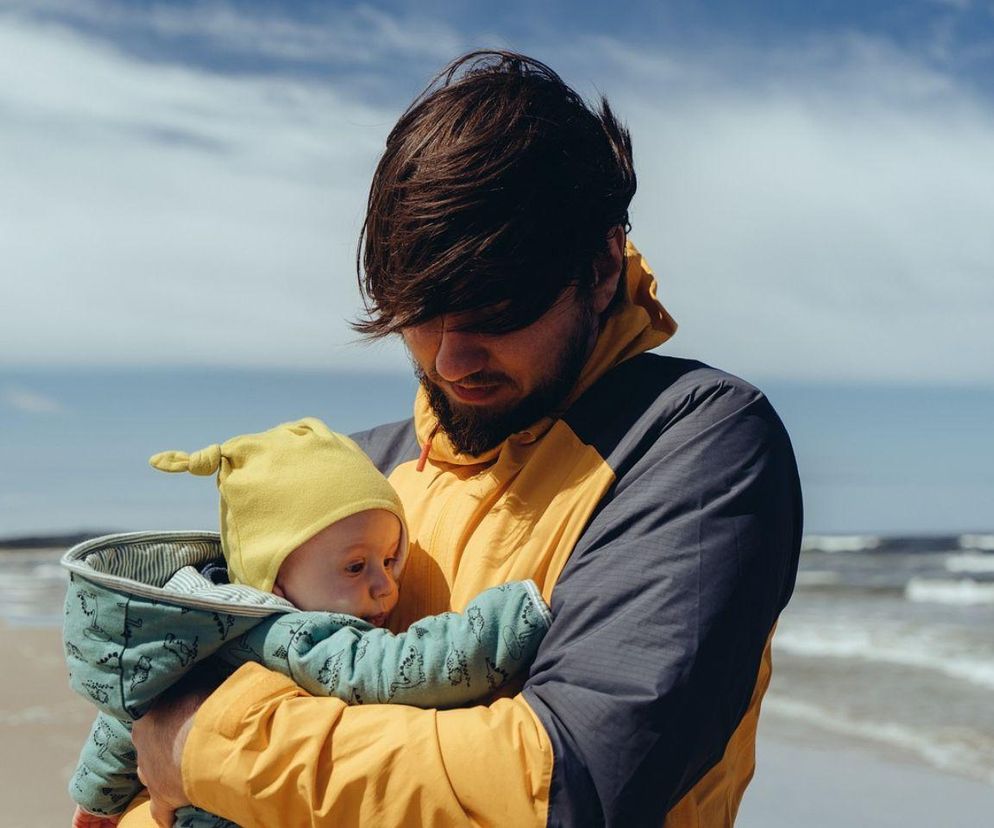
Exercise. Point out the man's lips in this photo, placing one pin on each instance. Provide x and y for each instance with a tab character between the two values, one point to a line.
474	393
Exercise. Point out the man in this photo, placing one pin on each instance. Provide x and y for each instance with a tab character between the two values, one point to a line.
654	500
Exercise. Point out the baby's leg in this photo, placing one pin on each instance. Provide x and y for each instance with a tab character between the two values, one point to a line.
106	778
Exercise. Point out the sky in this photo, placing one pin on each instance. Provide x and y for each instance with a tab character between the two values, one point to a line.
183	183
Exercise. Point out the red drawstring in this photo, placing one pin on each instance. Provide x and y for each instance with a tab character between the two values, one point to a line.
426	449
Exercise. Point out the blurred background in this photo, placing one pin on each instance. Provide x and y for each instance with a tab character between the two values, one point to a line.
181	190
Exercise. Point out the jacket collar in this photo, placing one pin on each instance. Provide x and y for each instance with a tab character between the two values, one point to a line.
639	323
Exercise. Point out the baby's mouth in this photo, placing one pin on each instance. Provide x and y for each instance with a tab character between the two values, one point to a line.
377	620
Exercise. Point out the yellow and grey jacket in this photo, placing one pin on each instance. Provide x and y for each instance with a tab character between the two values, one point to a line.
660	515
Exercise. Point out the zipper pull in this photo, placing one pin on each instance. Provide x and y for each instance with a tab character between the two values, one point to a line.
426	449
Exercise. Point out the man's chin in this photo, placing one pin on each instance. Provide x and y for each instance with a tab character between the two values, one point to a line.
472	429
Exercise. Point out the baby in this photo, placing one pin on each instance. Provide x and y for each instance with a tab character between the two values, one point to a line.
314	541
307	516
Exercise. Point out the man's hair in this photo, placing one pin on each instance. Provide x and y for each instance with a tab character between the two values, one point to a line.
498	188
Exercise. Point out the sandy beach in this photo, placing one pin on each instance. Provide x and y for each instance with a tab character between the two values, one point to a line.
819	781
42	725
803	779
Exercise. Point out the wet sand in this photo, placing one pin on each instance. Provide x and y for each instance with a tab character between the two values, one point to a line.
42	725
821	782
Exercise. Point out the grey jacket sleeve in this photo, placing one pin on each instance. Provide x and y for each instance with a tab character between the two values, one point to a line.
444	660
663	611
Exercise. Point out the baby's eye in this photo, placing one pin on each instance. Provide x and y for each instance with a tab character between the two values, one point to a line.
390	563
355	567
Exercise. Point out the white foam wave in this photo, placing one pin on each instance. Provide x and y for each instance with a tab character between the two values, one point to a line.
817	578
924	649
50	571
979	542
31	580
970	563
937	751
961	592
839	543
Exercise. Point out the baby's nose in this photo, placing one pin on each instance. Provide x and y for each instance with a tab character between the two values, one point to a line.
383	586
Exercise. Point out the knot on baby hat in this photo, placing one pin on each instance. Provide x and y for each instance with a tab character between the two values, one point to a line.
203	462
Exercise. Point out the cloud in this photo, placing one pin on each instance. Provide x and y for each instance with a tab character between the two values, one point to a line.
821	212
159	213
323	35
29	402
815	209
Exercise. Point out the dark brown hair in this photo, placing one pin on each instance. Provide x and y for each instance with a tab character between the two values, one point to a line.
498	188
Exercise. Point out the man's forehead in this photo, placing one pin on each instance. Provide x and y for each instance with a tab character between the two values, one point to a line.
462	319
503	316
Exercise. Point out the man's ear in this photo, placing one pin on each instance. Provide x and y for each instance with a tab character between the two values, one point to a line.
607	270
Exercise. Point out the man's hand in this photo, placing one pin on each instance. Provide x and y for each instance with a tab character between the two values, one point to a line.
160	736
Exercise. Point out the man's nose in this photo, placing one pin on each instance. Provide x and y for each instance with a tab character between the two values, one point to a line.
459	354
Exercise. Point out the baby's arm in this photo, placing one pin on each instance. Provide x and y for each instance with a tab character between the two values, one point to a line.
443	660
106	778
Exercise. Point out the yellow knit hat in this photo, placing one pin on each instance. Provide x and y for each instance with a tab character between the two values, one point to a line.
281	487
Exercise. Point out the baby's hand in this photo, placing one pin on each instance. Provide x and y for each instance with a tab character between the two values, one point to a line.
84	819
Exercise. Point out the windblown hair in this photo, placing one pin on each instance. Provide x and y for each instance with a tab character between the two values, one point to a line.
498	188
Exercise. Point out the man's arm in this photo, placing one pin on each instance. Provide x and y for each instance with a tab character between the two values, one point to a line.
350	765
665	608
660	622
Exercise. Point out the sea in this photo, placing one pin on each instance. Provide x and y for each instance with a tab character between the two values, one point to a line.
888	640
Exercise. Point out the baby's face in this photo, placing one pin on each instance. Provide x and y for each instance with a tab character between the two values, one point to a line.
347	567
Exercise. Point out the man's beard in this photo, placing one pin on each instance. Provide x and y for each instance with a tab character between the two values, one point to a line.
474	430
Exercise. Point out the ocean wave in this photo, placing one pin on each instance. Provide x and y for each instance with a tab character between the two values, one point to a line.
50	571
940	751
926	649
839	543
960	592
32	594
979	542
976	562
817	578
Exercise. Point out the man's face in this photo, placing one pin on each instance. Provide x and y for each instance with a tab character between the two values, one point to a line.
484	387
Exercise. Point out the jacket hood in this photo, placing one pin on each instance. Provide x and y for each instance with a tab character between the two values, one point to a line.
638	323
